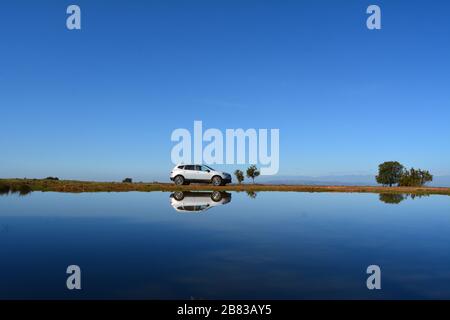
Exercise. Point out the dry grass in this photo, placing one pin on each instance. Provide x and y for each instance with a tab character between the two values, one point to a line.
87	186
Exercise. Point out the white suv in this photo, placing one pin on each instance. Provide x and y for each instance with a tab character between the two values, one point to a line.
183	201
187	173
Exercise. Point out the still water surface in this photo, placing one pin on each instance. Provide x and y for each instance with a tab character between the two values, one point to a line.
270	245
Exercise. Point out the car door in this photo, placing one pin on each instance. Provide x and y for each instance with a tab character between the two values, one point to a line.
189	172
203	173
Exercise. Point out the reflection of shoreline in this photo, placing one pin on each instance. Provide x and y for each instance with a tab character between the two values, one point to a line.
21	190
90	186
188	201
396	198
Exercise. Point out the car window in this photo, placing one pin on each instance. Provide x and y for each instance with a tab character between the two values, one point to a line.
191	208
205	168
195	208
188	167
197	168
181	167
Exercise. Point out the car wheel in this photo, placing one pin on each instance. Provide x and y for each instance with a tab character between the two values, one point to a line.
216	181
179	195
216	196
179	180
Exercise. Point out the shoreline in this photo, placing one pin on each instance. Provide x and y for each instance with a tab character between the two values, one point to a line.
72	186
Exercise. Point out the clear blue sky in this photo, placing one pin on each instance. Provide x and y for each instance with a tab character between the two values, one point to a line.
101	103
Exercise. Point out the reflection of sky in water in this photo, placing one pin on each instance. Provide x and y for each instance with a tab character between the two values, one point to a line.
278	245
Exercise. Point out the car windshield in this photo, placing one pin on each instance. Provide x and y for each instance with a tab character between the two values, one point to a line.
206	167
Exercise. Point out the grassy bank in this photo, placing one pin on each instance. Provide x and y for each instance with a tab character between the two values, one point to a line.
24	185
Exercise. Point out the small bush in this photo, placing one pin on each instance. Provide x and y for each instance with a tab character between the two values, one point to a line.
52	178
127	180
253	172
239	176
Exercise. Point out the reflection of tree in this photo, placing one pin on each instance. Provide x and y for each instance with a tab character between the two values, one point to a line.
22	190
392	198
251	194
413	196
4	189
396	198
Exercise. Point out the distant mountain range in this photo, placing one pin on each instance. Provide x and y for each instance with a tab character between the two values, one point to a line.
340	180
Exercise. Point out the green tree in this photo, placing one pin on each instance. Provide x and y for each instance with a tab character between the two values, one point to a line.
253	172
425	177
239	176
127	180
389	173
415	178
409	178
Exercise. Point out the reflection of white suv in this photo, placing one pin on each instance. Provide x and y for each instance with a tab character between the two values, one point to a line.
198	201
185	174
